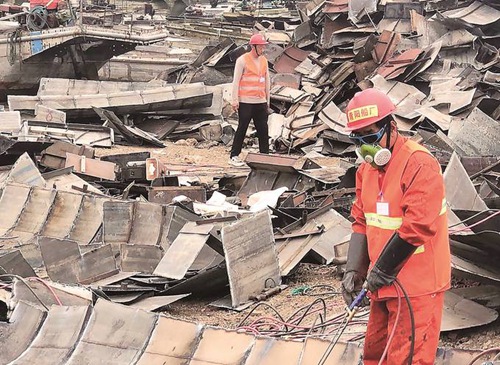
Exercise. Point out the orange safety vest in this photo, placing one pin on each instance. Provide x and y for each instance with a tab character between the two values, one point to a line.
429	269
253	79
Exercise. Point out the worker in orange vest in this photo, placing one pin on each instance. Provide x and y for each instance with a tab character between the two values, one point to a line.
400	240
251	97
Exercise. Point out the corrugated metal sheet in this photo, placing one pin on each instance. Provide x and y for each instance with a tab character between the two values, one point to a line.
476	135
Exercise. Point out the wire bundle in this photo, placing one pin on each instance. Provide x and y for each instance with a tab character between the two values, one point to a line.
312	320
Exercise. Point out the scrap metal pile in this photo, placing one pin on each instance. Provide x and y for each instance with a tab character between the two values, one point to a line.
129	229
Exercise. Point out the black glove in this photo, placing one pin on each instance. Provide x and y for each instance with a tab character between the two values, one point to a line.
356	268
390	262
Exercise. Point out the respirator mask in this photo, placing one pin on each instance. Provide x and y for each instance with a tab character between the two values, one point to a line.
368	148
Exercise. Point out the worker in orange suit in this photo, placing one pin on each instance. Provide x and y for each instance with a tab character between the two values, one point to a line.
400	236
251	97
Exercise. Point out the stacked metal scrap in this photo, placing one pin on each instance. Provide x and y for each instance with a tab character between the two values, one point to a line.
118	226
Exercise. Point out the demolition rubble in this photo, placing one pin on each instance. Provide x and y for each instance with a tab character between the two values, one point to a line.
100	233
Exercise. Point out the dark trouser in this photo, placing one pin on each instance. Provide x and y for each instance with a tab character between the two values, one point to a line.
259	114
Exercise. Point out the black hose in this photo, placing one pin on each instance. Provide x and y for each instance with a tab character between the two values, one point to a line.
412	320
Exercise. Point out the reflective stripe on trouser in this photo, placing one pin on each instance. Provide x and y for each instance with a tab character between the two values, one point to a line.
427	311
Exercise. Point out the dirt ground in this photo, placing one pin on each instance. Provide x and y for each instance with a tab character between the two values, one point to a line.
321	281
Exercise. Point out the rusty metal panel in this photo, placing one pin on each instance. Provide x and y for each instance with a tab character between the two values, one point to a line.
407	98
183	251
175	219
479	272
24	171
147	225
385	47
477	13
54	156
213	339
35	212
18	333
89	220
165	194
97	264
289	59
289	80
57	337
435	116
292	250
61	259
173	342
460	192
158	302
337	228
429	54
12	203
65	263
115	334
358	8
268	352
14	263
395	66
336	6
63	214
460	313
142	258
73	297
342	353
477	135
117	221
91	167
251	256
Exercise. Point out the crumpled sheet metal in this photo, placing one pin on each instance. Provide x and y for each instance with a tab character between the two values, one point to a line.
359	8
118	335
476	135
406	97
476	14
460	192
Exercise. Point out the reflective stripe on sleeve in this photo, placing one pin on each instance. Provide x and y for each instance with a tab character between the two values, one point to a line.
382	221
444	207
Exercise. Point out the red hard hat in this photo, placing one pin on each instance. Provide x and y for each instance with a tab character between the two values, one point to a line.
368	107
257	39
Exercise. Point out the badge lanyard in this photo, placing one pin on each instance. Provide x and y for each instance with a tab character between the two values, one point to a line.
382	205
